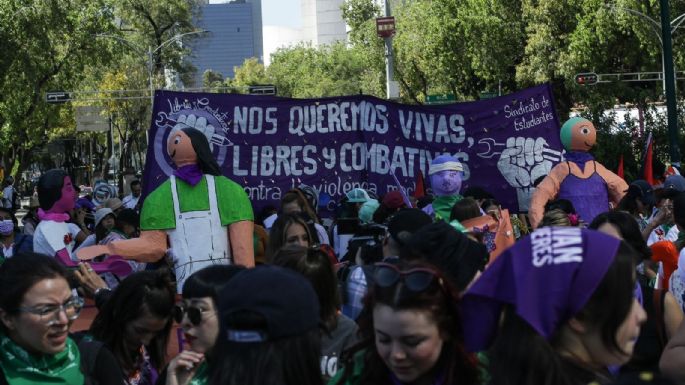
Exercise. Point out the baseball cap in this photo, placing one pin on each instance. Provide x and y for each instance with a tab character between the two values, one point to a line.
101	214
283	297
393	200
366	211
357	195
675	182
405	223
642	189
457	256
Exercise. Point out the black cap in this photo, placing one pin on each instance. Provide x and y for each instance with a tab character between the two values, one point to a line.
405	223
642	189
459	257
283	297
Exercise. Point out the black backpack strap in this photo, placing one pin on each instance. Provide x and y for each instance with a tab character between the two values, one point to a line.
89	350
17	246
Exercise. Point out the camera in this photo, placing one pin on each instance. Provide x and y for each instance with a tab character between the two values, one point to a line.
366	244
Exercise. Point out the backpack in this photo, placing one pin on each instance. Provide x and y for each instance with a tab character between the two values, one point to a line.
88	349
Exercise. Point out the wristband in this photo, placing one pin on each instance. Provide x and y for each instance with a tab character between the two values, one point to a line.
100	289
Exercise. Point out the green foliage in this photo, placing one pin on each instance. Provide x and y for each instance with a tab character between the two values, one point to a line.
251	73
212	80
46	44
306	72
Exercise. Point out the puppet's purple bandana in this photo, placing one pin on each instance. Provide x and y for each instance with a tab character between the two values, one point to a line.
579	158
191	174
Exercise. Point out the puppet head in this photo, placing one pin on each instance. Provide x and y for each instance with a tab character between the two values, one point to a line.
189	146
445	175
578	134
56	193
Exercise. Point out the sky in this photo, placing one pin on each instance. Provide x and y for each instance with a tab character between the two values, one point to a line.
280	13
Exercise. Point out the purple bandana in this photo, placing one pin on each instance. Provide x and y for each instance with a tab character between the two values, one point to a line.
579	158
191	174
548	277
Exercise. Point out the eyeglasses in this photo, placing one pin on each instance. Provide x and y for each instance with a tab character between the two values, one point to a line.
416	279
72	308
194	314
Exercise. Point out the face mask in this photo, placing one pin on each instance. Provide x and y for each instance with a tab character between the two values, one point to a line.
6	226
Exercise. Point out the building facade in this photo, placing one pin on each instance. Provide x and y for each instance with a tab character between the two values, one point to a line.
235	34
322	22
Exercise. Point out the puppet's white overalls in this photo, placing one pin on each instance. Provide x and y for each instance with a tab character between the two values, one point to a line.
198	240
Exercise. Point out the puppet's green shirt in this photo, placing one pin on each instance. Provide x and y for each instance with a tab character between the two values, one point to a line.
158	209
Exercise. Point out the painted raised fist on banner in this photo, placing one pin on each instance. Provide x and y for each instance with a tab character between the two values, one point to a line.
522	161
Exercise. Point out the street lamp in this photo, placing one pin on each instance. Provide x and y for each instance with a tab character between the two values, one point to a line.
149	52
675	24
668	71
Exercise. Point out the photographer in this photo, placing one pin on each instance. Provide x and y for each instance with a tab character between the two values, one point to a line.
372	248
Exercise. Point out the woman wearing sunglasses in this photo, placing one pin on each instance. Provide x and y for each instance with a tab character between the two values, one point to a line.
197	315
37	308
410	331
557	308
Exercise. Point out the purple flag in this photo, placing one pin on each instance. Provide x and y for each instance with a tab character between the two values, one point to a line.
269	144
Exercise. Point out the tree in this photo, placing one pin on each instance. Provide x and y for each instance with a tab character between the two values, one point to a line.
147	47
250	73
46	46
211	80
307	72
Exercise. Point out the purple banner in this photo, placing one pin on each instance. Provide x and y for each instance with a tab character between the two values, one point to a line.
270	144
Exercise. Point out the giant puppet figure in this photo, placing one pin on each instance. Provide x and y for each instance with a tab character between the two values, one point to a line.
203	216
580	179
445	174
54	235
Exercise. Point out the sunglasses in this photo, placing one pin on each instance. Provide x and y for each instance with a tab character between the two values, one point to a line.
194	314
416	279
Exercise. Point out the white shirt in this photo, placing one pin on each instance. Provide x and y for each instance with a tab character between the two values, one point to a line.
50	237
130	201
658	235
8	252
89	241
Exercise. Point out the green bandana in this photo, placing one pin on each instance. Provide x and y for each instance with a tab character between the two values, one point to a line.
22	368
442	206
200	377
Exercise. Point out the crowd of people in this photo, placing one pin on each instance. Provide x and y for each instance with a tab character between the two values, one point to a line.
446	289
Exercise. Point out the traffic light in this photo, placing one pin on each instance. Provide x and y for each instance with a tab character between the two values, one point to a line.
587	79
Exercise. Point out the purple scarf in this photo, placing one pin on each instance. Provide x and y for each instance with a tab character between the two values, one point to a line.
579	158
191	174
547	277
